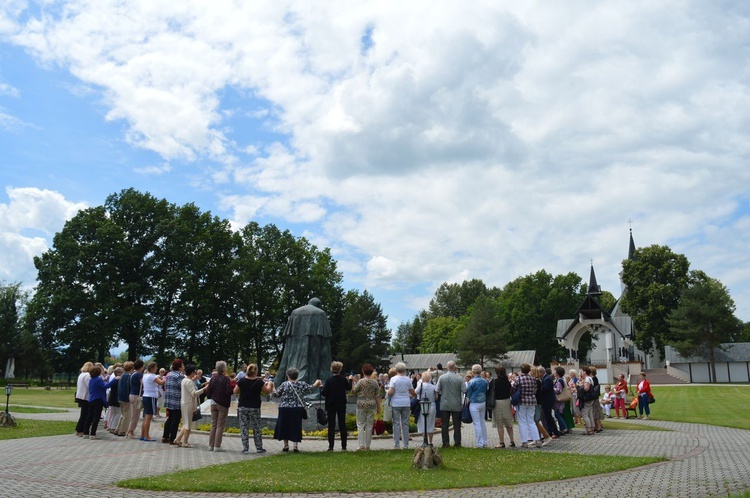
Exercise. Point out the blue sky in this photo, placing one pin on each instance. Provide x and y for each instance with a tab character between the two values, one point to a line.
423	143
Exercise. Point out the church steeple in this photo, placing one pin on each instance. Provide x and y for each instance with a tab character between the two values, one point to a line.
631	249
594	289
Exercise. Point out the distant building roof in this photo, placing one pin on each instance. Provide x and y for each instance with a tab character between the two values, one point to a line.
422	362
734	352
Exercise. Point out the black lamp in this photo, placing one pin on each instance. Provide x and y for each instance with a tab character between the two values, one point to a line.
425	409
8	392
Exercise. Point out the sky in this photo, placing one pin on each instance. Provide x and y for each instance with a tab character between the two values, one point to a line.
422	142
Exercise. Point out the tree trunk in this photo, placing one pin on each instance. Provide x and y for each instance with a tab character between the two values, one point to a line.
712	359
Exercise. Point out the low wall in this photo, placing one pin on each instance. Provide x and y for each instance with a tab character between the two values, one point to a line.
679	373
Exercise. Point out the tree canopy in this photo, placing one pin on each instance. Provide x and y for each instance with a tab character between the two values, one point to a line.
481	337
171	280
703	319
655	277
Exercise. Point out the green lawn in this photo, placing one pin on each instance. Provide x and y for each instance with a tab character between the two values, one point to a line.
37	428
40	397
389	471
724	405
628	426
29	409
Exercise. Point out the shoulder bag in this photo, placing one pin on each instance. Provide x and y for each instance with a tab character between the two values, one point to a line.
320	414
305	406
466	413
491	394
515	398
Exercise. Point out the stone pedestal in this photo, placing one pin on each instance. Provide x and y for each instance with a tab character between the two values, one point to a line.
7	420
426	457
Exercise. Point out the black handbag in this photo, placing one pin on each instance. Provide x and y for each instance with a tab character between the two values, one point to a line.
415	405
197	415
320	414
466	413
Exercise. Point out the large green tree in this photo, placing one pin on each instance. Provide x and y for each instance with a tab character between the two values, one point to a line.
530	307
364	333
174	281
454	300
278	272
482	338
77	300
409	335
440	335
703	319
655	278
10	294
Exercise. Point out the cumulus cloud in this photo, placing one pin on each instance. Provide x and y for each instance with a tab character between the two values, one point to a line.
433	141
155	169
6	89
27	223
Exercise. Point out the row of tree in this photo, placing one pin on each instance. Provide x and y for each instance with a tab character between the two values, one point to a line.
168	280
673	305
482	323
669	304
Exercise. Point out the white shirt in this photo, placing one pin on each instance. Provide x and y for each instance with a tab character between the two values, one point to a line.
82	386
401	385
150	389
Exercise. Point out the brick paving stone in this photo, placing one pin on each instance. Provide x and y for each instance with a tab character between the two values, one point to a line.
704	461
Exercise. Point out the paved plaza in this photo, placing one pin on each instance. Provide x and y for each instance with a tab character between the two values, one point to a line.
703	461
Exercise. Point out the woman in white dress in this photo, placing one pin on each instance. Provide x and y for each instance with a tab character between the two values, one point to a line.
426	390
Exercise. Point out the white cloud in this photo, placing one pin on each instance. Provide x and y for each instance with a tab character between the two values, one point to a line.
488	142
30	210
8	121
159	169
6	89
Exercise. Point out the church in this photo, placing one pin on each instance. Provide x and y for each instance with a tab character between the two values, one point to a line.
613	349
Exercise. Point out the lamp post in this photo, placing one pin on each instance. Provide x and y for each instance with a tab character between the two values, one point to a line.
6	419
8	392
425	408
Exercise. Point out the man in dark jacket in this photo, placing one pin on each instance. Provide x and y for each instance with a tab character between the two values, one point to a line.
548	402
335	390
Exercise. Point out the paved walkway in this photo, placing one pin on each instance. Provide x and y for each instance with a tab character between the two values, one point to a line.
704	461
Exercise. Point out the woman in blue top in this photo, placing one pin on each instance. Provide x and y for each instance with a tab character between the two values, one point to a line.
97	398
476	393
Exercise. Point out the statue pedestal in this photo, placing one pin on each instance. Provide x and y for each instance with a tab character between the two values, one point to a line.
7	420
426	457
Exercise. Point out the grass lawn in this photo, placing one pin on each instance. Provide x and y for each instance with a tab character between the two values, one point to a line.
628	426
37	428
40	397
389	471
724	405
29	409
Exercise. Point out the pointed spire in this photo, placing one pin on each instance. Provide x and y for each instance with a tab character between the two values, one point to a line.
631	249
594	289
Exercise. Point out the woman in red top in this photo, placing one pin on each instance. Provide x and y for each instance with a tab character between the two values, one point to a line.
621	390
644	394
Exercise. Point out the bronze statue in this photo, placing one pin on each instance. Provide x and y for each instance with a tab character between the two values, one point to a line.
308	344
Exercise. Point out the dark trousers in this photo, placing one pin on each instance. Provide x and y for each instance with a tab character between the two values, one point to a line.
549	419
171	425
84	405
445	417
333	412
93	417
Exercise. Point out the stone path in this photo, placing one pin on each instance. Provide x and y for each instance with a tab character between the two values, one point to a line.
704	461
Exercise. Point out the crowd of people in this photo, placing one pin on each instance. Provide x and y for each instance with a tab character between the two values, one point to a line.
546	403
